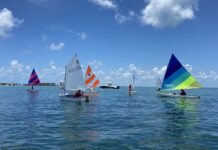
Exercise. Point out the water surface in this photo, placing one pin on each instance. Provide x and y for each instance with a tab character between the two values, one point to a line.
113	120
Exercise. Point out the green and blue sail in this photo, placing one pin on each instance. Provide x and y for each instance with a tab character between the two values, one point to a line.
177	77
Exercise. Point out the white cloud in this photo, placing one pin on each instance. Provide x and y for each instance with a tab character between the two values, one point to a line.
57	47
19	72
159	71
132	13
123	76
100	73
105	3
126	74
2	70
188	67
120	69
52	73
16	65
52	65
132	67
82	35
168	13
8	22
210	76
96	64
27	67
120	18
107	79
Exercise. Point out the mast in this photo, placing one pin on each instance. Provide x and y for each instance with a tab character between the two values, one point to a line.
133	79
65	81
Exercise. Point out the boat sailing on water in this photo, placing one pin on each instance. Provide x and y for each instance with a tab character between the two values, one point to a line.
133	82
75	85
74	81
158	84
131	88
33	80
109	85
91	81
177	77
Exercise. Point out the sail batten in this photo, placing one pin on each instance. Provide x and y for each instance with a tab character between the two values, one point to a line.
177	77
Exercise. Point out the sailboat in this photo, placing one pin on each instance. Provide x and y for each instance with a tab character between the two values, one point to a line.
133	83
74	80
158	84
91	80
33	80
177	77
75	84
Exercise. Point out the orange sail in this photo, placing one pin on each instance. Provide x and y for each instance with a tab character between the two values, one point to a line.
91	79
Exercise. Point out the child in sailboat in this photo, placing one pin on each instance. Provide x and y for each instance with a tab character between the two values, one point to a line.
78	93
183	92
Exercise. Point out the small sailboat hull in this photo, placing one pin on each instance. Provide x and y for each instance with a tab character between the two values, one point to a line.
133	92
66	97
177	96
32	91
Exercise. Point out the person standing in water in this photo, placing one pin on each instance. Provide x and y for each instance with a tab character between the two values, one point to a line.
130	89
183	93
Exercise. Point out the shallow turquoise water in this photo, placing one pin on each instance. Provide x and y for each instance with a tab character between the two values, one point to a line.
113	120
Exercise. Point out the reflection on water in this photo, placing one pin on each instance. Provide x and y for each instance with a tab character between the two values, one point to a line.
78	126
180	120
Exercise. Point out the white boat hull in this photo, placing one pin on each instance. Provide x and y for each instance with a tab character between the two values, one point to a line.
65	97
85	97
133	92
177	96
109	87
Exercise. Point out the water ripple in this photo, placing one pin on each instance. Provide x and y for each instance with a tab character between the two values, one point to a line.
113	120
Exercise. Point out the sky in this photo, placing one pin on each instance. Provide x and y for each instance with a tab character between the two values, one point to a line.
115	37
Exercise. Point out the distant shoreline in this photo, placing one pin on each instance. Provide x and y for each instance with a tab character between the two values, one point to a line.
18	84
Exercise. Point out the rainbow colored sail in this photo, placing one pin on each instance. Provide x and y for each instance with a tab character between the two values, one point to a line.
34	80
177	77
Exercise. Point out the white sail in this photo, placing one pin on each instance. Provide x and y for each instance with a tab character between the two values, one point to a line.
74	78
159	84
133	80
